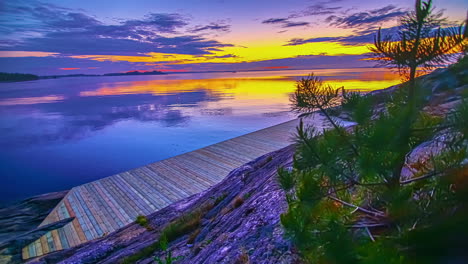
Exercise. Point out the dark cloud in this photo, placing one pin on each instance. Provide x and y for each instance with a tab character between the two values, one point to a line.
366	19
295	24
321	8
285	22
166	23
219	27
48	28
363	37
275	21
225	56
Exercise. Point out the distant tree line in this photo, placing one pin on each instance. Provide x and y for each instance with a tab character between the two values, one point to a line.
16	77
135	73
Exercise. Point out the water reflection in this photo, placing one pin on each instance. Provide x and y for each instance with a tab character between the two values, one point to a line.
74	118
59	133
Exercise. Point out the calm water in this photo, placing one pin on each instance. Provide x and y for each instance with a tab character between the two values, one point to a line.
59	133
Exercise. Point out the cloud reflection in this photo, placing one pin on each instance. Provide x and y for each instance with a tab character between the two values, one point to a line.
58	112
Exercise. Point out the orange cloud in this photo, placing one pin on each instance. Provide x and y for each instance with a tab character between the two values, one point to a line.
69	69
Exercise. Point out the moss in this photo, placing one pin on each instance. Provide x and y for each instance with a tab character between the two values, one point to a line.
247	195
220	199
143	253
142	220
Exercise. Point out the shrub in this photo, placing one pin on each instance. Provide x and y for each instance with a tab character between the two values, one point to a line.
347	203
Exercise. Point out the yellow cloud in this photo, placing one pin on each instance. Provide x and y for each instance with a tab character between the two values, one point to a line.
254	52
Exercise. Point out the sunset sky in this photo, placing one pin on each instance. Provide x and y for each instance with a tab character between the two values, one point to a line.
102	36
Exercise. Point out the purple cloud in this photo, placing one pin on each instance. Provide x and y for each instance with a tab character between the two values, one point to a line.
284	22
366	19
219	27
363	37
53	29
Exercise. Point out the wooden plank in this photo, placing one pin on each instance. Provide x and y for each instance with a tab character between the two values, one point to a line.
109	209
97	212
92	223
127	206
79	235
113	204
150	184
81	217
56	240
170	174
129	194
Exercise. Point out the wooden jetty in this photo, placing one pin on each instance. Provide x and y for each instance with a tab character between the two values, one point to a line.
103	206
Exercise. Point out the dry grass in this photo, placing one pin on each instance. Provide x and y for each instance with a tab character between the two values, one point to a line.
243	258
193	236
238	202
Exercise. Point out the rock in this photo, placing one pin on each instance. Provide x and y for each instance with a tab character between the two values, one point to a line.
14	245
227	232
440	80
27	215
19	221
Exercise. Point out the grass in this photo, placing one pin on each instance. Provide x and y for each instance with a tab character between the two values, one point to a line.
141	254
183	225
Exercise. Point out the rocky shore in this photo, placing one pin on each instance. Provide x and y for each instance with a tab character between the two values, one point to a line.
19	221
236	221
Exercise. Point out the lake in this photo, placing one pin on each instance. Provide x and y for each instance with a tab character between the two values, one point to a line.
59	133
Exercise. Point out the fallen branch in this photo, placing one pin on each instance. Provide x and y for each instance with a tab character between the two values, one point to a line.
357	207
367	225
370	234
429	175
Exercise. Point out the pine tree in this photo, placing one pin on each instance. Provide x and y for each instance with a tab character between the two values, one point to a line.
420	42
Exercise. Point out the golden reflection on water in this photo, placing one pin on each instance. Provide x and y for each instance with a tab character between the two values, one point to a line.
253	85
31	100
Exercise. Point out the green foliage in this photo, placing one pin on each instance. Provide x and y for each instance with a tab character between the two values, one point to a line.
285	179
460	69
168	259
182	226
346	201
420	42
141	254
312	94
360	106
142	220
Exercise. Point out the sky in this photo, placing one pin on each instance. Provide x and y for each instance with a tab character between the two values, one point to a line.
55	37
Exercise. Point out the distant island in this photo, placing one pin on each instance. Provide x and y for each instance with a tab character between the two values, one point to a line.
17	77
135	73
106	74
